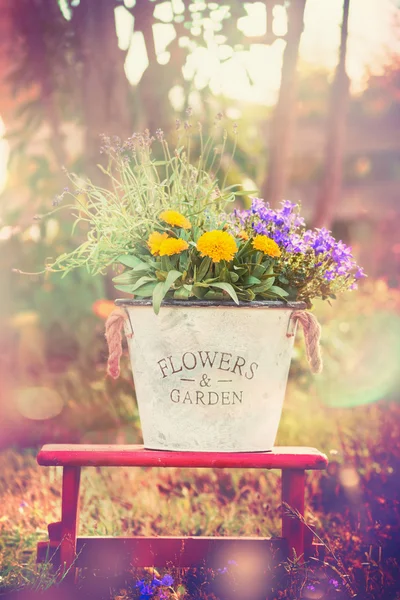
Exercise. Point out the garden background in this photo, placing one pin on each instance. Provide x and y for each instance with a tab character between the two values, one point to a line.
314	87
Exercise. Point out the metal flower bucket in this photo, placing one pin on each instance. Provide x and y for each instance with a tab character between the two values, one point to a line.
209	377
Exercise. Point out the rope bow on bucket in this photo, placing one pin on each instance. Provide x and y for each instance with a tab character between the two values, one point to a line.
311	329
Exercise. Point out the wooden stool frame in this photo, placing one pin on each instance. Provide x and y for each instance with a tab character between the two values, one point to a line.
70	552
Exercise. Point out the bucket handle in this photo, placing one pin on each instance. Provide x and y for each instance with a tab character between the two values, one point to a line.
312	335
116	320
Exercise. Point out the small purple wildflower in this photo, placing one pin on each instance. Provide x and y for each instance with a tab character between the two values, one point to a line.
359	273
334	583
222	571
329	275
147	590
260	228
310	587
167	580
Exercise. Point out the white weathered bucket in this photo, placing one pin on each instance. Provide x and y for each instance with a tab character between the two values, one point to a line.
210	378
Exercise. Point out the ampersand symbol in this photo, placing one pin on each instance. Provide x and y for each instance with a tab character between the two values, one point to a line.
205	381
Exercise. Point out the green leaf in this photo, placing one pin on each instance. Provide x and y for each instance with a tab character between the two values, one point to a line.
182	293
171	278
129	260
162	288
283	279
247	248
146	290
144	267
199	292
246	295
203	268
265	286
258	270
227	287
131	276
123	288
224	275
270	268
158	296
210	295
140	282
278	291
166	264
250	280
161	275
183	261
240	270
127	277
233	276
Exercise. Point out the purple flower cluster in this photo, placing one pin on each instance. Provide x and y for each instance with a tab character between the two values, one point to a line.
278	224
339	255
287	228
148	589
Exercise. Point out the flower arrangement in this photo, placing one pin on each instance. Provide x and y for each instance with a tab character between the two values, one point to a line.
164	222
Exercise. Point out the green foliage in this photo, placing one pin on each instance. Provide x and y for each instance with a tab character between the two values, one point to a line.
120	219
202	278
123	219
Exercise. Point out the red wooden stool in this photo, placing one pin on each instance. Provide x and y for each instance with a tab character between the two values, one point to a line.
69	551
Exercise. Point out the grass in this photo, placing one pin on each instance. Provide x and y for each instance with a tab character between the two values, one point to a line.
355	506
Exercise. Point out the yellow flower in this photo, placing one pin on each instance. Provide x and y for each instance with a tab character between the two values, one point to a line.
172	217
155	240
243	236
266	245
218	245
172	246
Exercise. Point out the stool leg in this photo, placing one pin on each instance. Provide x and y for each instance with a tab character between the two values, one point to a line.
69	521
293	487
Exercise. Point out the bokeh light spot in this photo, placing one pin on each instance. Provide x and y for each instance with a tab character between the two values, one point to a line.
38	403
349	477
361	362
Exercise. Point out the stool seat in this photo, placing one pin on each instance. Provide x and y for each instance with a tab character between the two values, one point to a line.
108	455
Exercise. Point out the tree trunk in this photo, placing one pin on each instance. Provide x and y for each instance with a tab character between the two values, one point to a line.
154	86
24	26
105	88
283	120
329	192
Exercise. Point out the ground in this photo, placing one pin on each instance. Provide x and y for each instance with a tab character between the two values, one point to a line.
353	509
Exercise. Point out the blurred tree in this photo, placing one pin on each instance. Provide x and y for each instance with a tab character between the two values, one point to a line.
283	120
382	95
336	124
104	88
